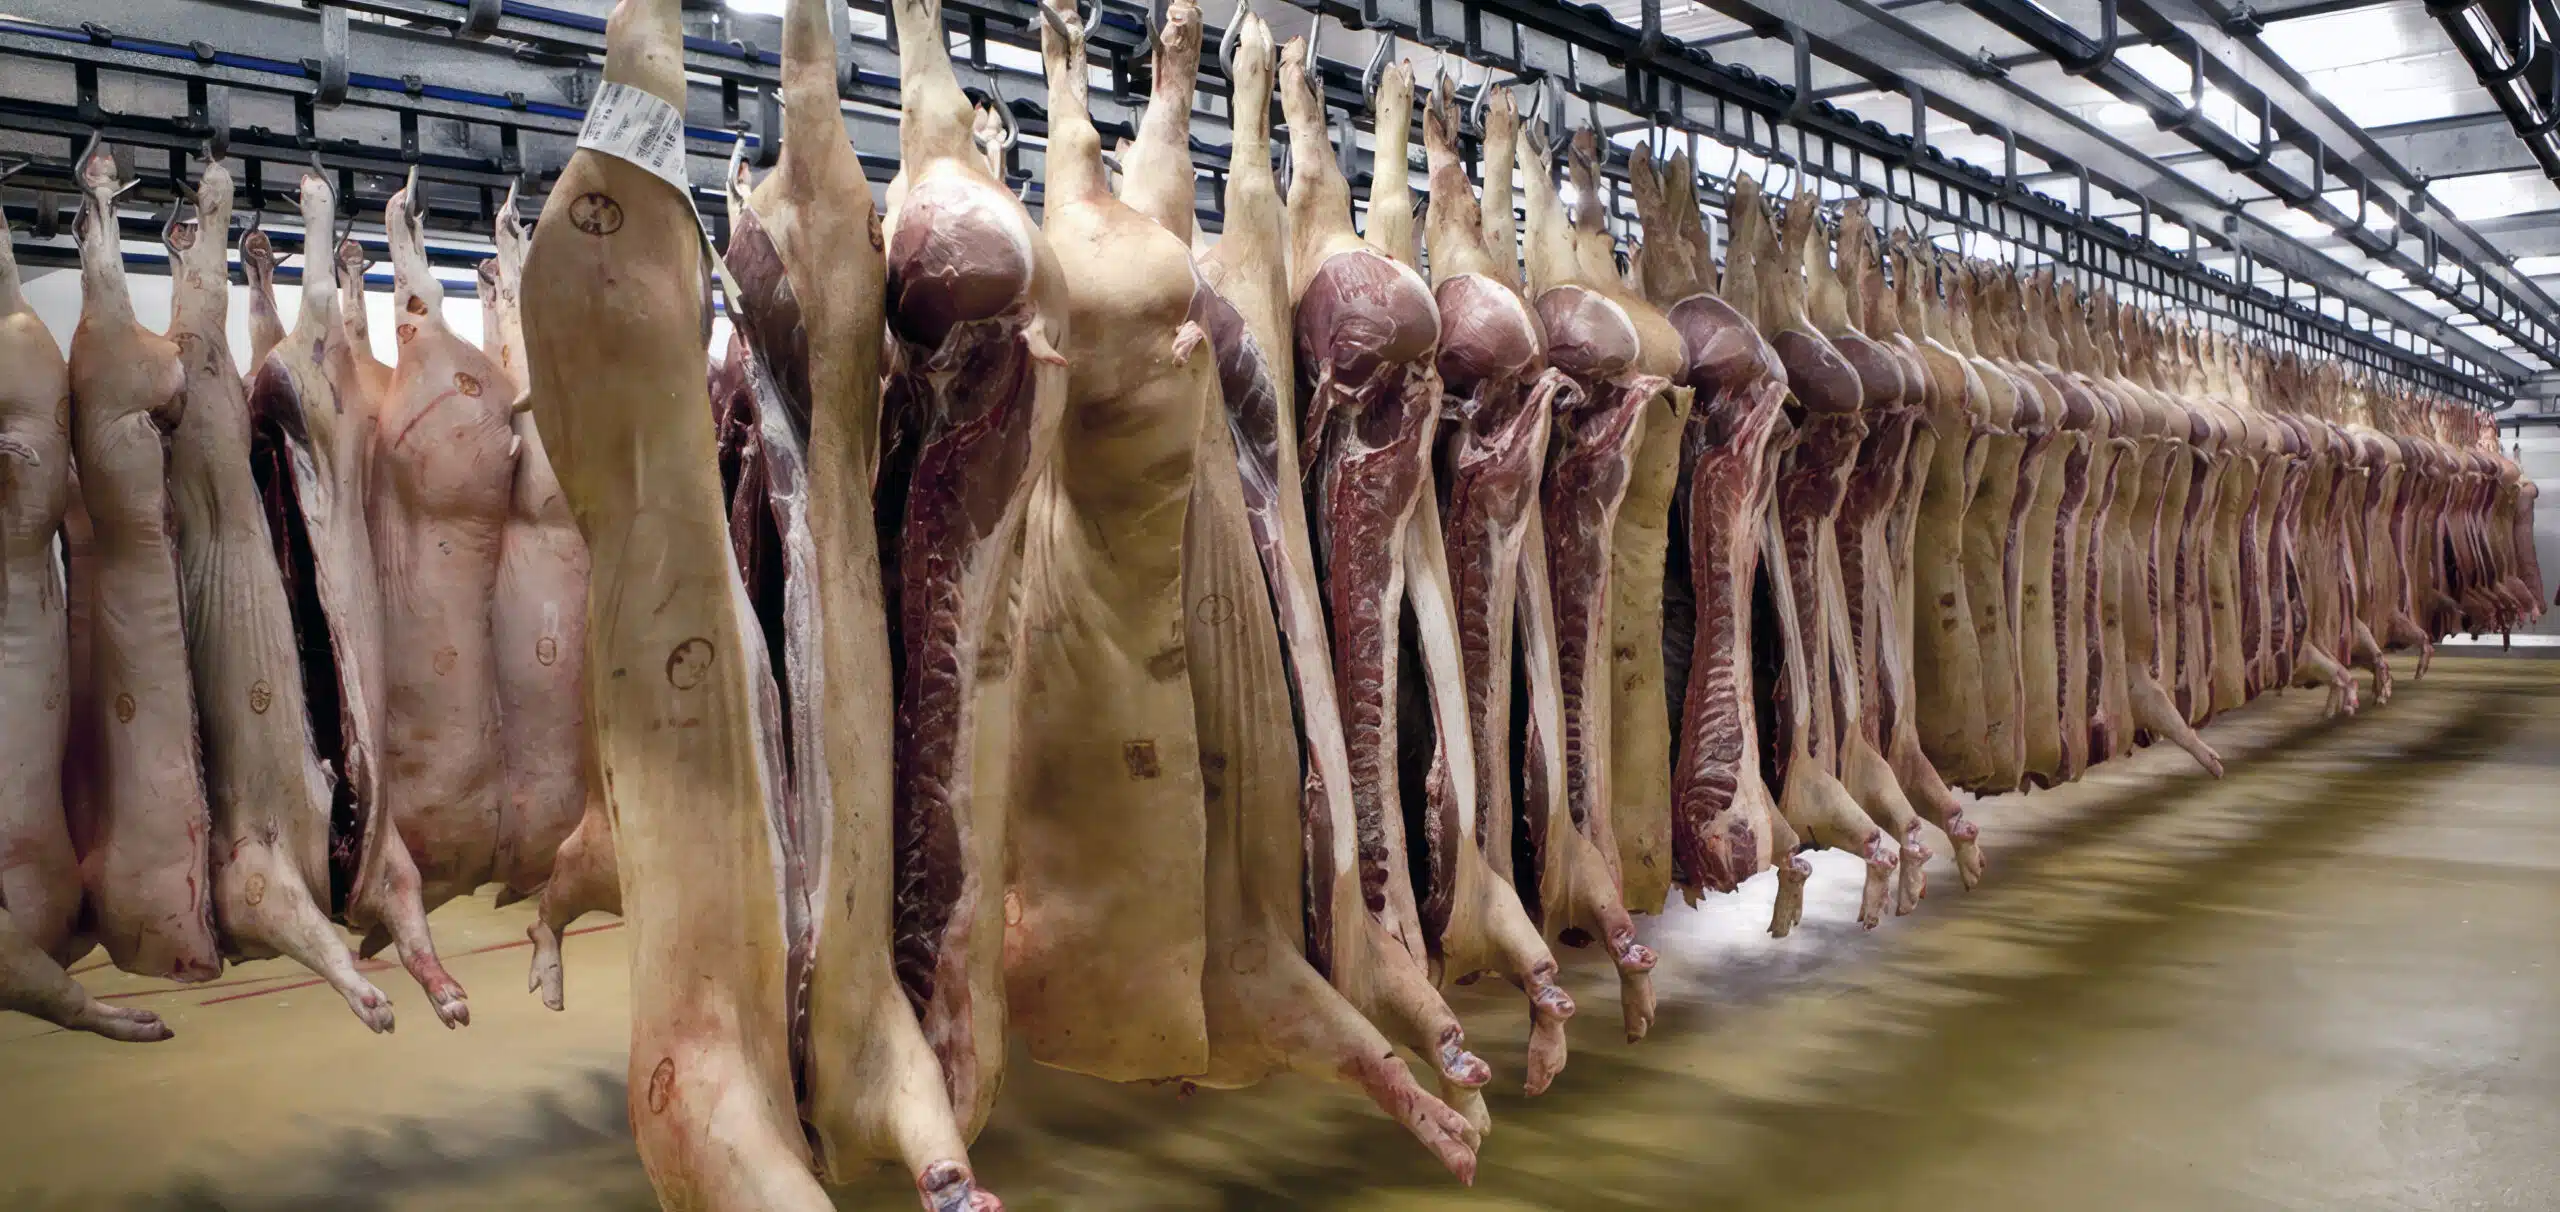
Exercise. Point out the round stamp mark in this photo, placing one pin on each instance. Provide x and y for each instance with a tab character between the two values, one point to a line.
662	1085
596	214
690	663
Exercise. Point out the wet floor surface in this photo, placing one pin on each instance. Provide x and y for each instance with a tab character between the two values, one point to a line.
2331	981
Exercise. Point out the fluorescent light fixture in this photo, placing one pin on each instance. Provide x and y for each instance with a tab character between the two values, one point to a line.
2536	267
761	8
2123	113
2300	224
2494	195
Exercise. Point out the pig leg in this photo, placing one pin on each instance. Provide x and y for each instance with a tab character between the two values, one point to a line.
2156	714
582	882
1936	803
263	906
393	905
1787	912
31	983
2369	655
1871	782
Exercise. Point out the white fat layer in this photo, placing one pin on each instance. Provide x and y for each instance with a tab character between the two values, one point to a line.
1329	749
1773	556
1541	648
764	702
1436	619
1835	617
803	655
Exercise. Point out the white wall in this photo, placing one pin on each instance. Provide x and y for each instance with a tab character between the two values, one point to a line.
2541	460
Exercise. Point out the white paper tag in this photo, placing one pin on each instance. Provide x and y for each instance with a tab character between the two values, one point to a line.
637	125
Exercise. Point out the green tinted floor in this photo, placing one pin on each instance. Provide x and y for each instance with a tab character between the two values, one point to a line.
2331	981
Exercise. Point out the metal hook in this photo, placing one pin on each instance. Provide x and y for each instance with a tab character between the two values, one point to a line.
1156	16
2108	36
1012	133
1484	96
1057	24
1093	20
169	226
97	140
1378	60
1800	106
417	204
1227	41
1346	154
736	176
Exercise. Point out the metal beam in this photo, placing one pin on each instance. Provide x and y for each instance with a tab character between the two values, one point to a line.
1589	56
2287	10
2502	305
2456	147
2532	234
1685	90
1890	50
2244	62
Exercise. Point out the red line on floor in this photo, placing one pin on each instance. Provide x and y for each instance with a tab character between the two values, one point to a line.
526	942
362	965
255	980
233	997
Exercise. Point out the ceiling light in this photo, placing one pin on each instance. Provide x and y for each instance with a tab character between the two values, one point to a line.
2300	224
2123	113
761	8
2536	267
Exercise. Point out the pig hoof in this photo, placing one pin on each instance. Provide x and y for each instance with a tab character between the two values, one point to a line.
948	1187
1915	878
1461	1067
1788	912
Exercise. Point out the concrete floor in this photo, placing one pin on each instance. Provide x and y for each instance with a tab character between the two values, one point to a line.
2329	982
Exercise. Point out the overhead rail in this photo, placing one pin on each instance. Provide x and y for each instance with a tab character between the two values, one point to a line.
2503	67
485	101
1890	51
2236	52
2378	224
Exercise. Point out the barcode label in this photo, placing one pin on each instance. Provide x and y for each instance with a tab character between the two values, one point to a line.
638	126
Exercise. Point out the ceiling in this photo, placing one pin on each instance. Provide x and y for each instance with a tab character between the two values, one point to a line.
2383	78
